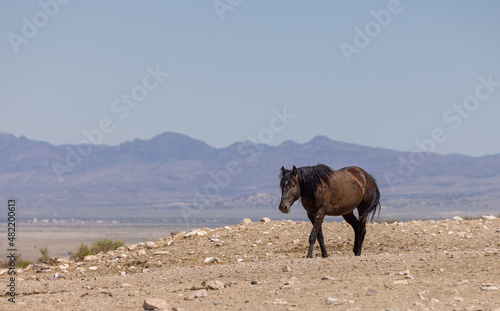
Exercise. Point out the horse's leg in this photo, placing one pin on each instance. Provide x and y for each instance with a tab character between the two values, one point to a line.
318	221
361	237
361	229
355	224
314	235
321	240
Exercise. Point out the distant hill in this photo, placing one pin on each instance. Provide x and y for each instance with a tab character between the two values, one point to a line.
172	175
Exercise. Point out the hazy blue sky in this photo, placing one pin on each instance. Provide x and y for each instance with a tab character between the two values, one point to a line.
376	73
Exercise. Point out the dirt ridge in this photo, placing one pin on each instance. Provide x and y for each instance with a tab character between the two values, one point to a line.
450	264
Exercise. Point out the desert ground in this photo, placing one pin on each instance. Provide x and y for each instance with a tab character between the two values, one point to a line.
417	265
61	239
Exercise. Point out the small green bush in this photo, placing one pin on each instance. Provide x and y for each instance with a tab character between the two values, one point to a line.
23	264
103	245
45	254
82	251
174	233
19	263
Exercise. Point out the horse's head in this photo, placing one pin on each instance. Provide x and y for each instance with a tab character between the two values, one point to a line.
290	190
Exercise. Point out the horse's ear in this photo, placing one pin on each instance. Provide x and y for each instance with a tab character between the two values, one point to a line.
294	170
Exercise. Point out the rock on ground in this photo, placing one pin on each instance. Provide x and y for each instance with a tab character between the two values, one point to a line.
155	303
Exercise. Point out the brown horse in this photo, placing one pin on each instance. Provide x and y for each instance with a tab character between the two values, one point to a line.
327	192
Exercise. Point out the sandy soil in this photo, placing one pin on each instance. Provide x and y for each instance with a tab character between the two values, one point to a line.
63	238
417	265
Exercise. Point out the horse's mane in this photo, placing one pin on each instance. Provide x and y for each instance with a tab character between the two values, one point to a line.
311	177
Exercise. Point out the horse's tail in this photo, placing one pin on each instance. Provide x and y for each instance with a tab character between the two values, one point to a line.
374	205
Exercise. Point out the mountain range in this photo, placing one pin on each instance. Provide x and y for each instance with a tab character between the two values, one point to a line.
173	177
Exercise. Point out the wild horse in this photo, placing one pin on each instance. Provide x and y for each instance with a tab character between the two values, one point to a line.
326	192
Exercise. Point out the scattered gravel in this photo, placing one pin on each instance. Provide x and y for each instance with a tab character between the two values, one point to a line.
418	265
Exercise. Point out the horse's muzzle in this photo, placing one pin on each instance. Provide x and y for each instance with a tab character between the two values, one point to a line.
284	208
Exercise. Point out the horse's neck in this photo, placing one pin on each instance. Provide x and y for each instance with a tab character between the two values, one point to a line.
303	183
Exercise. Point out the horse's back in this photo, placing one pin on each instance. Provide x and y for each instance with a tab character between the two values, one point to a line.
349	187
371	193
346	191
355	171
